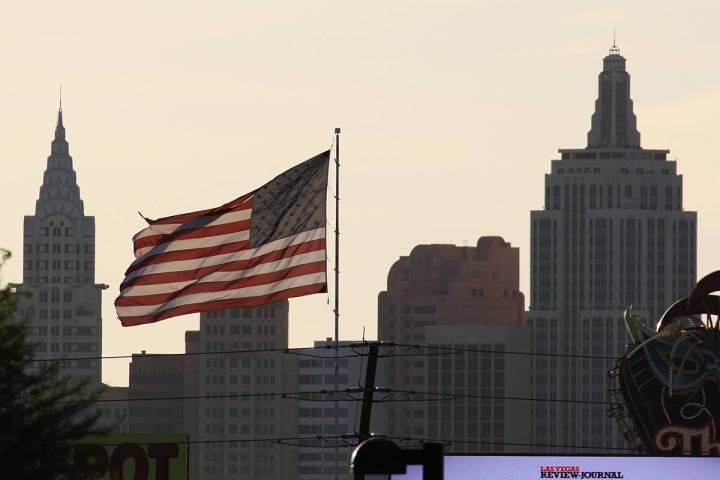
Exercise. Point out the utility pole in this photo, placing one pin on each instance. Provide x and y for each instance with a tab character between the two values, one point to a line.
367	401
378	455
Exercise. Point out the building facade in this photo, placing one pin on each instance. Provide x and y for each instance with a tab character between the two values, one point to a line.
242	411
466	298
316	373
482	377
114	409
60	298
226	394
612	233
157	376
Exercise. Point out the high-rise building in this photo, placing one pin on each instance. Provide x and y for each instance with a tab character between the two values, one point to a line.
226	394
317	417
234	419
465	298
612	233
175	377
63	302
157	376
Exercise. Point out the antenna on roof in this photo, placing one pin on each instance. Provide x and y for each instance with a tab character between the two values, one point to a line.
614	50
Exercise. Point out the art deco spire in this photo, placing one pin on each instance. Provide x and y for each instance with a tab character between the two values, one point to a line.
614	124
59	144
59	192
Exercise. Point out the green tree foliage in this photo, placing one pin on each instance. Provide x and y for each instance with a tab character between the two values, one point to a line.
42	413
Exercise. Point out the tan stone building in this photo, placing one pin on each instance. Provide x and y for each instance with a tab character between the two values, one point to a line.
461	297
235	419
613	232
220	429
60	298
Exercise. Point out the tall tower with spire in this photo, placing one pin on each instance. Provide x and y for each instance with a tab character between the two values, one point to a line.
64	302
612	233
613	123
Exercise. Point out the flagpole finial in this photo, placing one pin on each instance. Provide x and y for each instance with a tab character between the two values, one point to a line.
337	130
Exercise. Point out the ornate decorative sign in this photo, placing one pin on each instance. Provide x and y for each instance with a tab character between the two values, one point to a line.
665	391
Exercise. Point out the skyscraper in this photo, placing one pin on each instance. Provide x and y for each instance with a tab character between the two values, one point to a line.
241	413
465	298
64	302
316	373
612	233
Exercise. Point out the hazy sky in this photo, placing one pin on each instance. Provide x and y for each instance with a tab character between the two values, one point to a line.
451	113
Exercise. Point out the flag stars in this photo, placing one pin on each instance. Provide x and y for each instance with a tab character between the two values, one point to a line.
291	203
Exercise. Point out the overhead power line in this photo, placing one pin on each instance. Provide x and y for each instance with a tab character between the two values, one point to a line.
302	351
275	440
294	350
450	396
509	444
450	349
337	395
289	395
342	440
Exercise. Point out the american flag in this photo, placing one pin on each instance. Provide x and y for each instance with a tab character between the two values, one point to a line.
265	246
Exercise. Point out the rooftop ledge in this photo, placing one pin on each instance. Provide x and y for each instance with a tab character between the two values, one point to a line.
613	153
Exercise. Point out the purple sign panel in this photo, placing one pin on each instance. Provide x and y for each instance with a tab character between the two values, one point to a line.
499	467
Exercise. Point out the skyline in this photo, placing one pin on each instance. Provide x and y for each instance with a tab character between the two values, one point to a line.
386	90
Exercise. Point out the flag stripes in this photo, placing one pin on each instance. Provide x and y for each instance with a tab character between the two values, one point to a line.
195	268
204	226
212	259
220	278
235	293
159	229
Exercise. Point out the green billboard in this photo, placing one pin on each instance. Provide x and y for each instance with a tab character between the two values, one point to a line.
133	456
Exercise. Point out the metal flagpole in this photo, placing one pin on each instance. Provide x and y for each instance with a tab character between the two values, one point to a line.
337	291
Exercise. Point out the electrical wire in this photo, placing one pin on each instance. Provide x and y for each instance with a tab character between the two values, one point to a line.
442	350
449	396
440	397
287	395
275	440
503	352
291	441
510	444
308	397
294	350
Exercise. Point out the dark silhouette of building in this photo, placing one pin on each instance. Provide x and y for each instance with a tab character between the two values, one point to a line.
612	233
114	409
157	376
